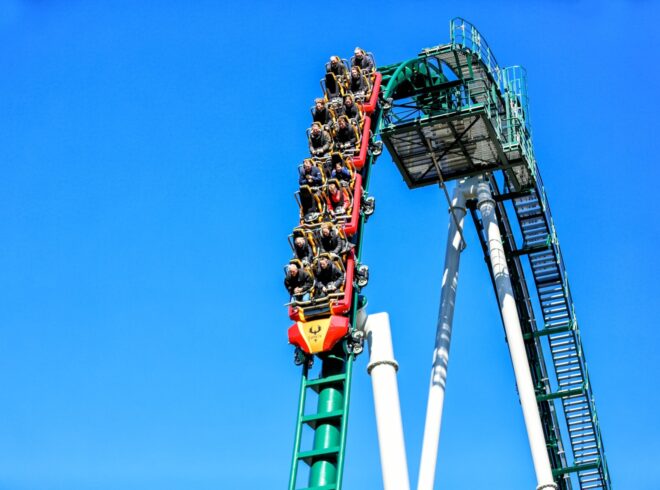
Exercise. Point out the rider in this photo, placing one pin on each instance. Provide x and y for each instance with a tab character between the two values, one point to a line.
298	282
330	240
335	198
329	278
336	67
321	113
345	135
303	251
361	60
350	108
309	174
320	141
341	174
358	84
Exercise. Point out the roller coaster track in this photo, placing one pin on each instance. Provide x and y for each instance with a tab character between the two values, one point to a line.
448	114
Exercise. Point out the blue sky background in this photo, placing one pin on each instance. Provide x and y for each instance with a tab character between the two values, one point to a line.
148	154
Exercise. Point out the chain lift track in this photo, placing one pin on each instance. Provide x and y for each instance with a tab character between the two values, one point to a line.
448	114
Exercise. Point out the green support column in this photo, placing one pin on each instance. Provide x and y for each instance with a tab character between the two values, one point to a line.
327	435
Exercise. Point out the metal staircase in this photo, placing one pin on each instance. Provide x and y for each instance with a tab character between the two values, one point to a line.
563	337
528	323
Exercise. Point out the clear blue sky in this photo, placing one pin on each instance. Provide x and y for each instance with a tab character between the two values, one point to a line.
148	154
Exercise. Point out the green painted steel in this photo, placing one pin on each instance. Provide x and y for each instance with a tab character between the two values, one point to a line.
325	458
328	433
328	422
302	396
453	112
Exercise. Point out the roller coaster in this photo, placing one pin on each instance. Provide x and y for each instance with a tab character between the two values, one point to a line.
450	114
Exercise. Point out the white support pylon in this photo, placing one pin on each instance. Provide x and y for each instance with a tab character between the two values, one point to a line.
463	191
515	340
382	368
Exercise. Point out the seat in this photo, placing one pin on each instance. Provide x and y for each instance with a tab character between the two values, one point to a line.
346	246
308	269
338	145
318	163
371	57
333	89
331	205
337	261
347	162
311	206
308	235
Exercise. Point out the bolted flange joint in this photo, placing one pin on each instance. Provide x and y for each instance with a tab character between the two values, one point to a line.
387	362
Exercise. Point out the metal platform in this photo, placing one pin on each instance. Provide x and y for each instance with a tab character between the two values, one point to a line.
443	148
450	115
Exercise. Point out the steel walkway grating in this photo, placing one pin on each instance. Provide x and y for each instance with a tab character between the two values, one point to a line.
460	147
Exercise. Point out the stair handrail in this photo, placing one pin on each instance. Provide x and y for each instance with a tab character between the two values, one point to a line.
515	91
464	35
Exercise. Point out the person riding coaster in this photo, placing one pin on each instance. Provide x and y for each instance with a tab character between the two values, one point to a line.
337	67
332	240
298	281
346	136
320	142
341	168
303	244
323	114
351	110
328	276
342	174
338	200
363	60
310	174
359	85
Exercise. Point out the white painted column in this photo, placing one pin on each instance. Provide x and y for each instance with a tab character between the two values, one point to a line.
436	398
382	368
515	340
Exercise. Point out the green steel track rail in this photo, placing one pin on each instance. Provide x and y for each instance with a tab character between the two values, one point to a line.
452	113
